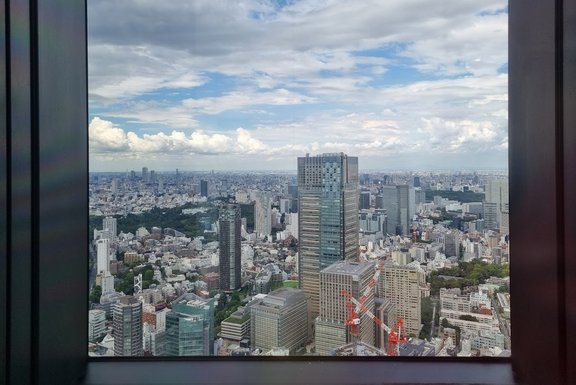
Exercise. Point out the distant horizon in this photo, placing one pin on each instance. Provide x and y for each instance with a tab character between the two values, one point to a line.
293	172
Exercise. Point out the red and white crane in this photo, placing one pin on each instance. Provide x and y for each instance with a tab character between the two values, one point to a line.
396	335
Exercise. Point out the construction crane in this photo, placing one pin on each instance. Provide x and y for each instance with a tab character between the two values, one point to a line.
396	335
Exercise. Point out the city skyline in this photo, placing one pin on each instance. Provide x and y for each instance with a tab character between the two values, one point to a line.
217	86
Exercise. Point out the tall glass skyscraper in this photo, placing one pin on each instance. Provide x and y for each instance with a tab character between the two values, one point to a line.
190	327
328	217
229	224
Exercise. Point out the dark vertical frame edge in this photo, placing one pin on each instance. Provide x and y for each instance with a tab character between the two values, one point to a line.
62	188
19	212
4	197
537	180
569	122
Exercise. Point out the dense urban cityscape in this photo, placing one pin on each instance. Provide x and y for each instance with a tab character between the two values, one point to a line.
329	260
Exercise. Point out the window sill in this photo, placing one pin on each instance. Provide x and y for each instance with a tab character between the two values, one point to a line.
309	372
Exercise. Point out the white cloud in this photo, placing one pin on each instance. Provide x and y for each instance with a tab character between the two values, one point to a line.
248	144
239	99
251	57
107	138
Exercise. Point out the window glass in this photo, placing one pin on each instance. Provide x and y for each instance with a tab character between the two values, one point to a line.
298	178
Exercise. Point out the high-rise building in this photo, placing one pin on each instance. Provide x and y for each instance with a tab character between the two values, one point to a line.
372	222
107	282
364	200
496	202
96	324
127	327
154	341
280	320
262	213
399	201
390	204
331	331
407	206
452	243
102	255
204	188
229	224
402	285
145	174
293	192
110	224
190	327
328	217
115	186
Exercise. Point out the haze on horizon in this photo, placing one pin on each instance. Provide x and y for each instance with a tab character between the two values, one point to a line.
252	85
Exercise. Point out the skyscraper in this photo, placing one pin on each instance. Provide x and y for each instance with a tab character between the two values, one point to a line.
110	224
330	326
496	202
145	174
204	188
127	327
364	200
190	327
399	201
328	217
262	213
102	255
229	224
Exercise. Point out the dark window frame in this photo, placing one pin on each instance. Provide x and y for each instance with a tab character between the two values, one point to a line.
43	191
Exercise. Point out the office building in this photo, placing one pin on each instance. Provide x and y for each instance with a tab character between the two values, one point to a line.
452	243
229	225
399	201
364	200
293	192
331	331
102	255
154	341
372	222
145	174
262	213
402	285
110	224
280	320
496	202
328	217
127	327
190	327
96	324
107	282
407	209
204	188
236	327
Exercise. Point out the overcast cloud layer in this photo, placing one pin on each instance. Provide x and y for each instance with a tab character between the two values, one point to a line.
214	84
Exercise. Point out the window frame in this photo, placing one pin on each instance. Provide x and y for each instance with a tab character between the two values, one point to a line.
44	179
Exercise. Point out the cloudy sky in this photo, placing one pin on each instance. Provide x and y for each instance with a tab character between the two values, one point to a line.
252	84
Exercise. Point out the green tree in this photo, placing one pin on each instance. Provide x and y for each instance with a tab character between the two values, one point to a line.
427	309
148	275
95	294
